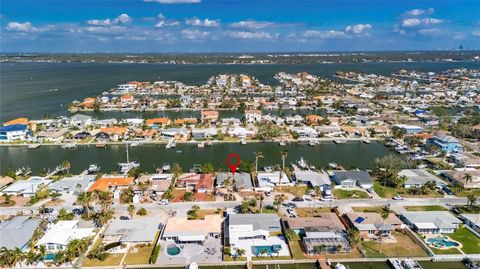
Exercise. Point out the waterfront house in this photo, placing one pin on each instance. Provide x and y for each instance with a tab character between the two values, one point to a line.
445	143
472	221
268	180
73	184
160	183
80	120
416	178
102	137
320	234
51	135
312	178
461	176
13	132
408	129
82	135
183	230
4	181
26	188
209	116
372	225
202	183
115	133
58	235
329	130
255	233
17	232
231	122
185	121
351	179
133	231
22	121
241	182
126	99
157	122
177	133
253	116
111	182
313	119
240	132
204	133
304	132
431	222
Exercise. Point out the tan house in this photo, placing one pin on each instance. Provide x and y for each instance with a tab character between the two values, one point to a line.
462	178
209	116
183	230
372	225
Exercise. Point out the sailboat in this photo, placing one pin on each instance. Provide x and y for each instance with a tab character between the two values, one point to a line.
125	167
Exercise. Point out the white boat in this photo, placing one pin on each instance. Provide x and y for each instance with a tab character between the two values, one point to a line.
282	143
136	144
339	266
192	265
333	165
313	143
404	264
125	167
93	168
24	171
302	163
243	142
201	145
171	144
366	141
166	167
34	146
69	146
339	141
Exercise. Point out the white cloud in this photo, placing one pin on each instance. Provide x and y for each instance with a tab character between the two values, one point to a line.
174	1
418	11
476	33
430	31
122	18
20	27
249	35
412	22
195	34
357	28
165	23
205	22
251	24
324	34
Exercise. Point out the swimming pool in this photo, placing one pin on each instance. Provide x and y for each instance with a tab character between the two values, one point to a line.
257	250
442	242
50	256
173	250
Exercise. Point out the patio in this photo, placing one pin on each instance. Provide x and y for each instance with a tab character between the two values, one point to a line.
209	252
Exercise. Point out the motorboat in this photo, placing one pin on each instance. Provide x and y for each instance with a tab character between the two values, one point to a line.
302	163
69	146
93	168
125	167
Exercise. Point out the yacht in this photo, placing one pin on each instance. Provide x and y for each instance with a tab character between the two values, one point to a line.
404	264
243	142
313	143
93	168
201	145
166	167
366	141
136	144
333	165
171	144
24	171
69	146
302	163
34	146
282	143
340	141
125	167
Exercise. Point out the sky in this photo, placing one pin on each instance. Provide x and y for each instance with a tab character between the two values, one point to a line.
237	26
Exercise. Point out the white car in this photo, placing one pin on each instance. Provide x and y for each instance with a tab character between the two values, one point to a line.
328	198
397	197
163	202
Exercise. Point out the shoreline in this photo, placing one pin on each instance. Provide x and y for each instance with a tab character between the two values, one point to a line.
288	141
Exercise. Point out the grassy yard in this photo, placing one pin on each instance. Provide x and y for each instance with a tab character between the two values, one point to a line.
296	249
295	190
405	247
465	193
368	209
350	194
425	208
273	257
445	251
471	243
388	192
203	212
304	212
112	260
141	256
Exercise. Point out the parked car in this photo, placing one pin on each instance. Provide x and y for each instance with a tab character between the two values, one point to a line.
291	213
397	197
268	193
297	199
124	218
163	202
370	190
447	190
328	198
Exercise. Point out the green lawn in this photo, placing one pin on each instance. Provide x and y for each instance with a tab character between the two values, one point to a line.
405	247
349	194
388	192
445	251
368	209
304	212
471	243
296	249
425	208
142	256
465	193
112	260
298	191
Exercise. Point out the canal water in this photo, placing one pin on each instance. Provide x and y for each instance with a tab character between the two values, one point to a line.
349	155
34	89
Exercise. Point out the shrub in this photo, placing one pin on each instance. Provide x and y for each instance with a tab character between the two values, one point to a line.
154	256
142	212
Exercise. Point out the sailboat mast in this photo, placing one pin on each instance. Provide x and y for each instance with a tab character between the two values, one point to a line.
128	161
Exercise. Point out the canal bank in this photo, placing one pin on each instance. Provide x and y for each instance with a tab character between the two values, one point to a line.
152	156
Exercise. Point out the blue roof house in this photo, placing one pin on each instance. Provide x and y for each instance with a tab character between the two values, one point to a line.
13	132
445	143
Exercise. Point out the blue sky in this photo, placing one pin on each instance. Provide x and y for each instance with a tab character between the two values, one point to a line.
236	26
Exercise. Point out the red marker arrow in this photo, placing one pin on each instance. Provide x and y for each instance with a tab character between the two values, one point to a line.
233	167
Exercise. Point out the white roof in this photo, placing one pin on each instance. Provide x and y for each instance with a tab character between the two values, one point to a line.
26	186
425	225
272	179
63	231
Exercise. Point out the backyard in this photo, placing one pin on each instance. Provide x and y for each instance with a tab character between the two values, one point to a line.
304	212
405	247
471	242
425	208
298	191
388	192
139	254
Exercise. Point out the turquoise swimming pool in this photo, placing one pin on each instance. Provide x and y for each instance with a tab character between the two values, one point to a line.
442	242
50	256
173	250
257	250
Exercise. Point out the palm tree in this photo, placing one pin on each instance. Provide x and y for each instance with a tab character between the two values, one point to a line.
384	214
5	256
85	199
240	251
258	155
283	154
66	166
353	236
472	200
131	210
17	256
105	199
468	178
261	202
317	192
